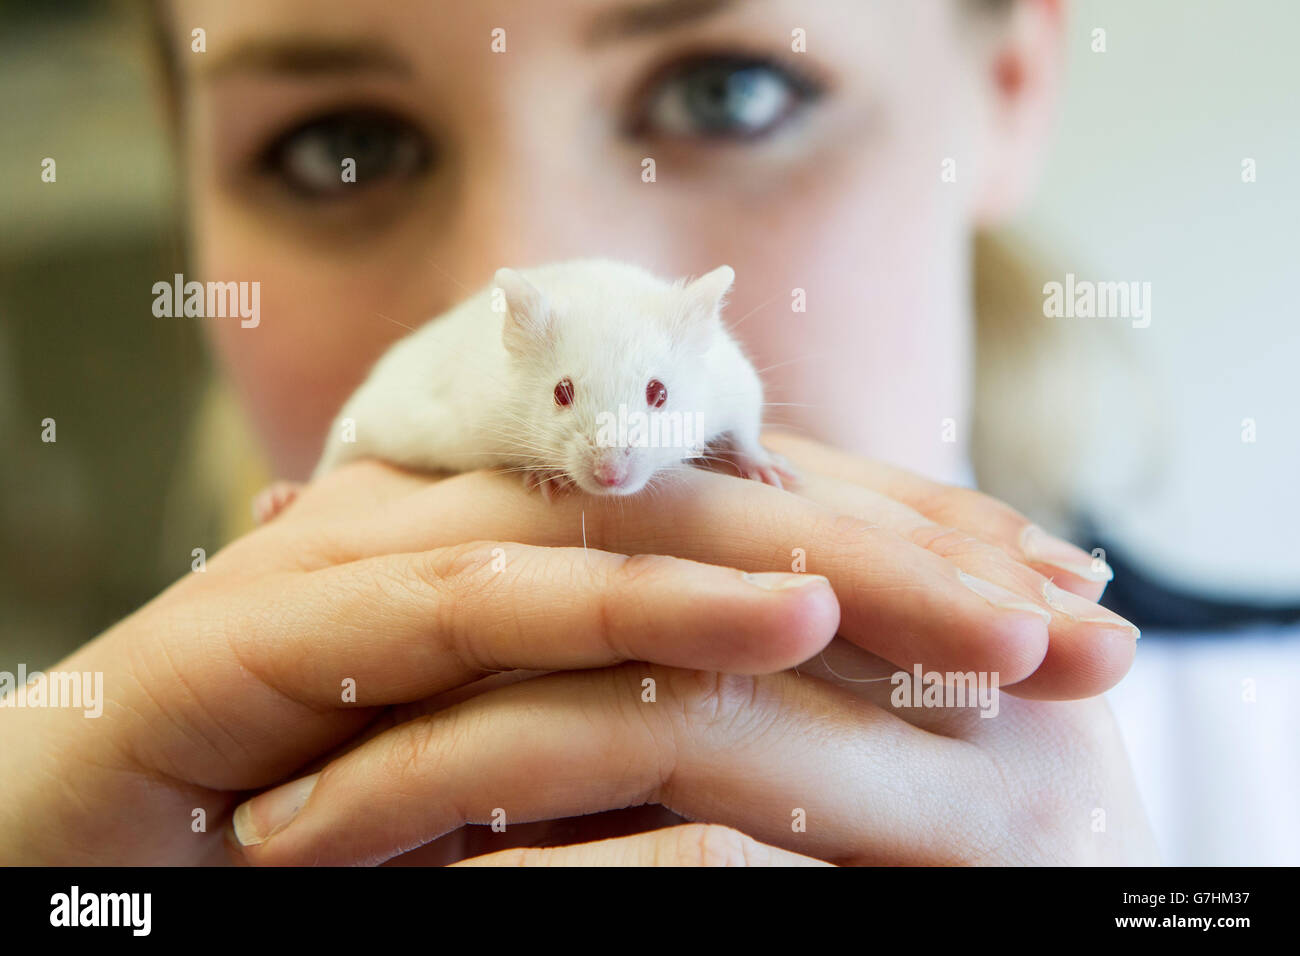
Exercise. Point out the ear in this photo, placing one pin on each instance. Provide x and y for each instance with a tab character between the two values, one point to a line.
1022	72
528	315
704	299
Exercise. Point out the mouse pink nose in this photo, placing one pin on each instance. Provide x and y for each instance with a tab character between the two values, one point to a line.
610	470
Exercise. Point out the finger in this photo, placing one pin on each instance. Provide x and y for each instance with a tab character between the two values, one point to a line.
357	486
301	536
976	513
898	600
693	844
793	761
400	627
1090	648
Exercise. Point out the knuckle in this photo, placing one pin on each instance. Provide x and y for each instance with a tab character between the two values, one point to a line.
973	553
416	752
940	502
715	699
620	599
947	503
410	748
651	726
638	570
948	542
851	528
454	576
451	566
931	499
975	500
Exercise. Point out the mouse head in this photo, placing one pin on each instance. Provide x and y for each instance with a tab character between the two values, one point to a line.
611	369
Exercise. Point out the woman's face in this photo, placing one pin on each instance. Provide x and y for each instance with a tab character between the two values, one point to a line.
819	171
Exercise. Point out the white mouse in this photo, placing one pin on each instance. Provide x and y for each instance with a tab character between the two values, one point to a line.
589	373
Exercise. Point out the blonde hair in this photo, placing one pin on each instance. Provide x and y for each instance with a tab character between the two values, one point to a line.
1064	417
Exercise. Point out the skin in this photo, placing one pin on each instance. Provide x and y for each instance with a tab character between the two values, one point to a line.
474	682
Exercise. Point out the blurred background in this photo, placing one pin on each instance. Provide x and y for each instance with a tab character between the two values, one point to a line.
83	534
1144	184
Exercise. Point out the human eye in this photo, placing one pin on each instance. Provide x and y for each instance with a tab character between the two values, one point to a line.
308	159
722	97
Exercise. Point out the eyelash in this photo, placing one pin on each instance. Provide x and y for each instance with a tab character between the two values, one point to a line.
662	92
414	158
800	85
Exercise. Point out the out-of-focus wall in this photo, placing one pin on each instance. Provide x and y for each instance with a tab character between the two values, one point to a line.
90	527
1146	183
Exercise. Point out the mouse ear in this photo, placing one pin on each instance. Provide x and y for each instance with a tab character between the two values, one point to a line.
704	299
528	315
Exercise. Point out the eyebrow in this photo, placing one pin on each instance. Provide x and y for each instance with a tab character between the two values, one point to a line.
308	57
652	17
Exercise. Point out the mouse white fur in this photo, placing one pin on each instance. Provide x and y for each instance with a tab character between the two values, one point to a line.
589	373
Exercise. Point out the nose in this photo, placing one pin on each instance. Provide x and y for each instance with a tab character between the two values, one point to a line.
610	470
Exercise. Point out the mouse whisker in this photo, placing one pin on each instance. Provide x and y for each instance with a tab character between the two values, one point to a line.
801	358
762	305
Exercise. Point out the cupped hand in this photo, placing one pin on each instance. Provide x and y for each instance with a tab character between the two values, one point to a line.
947	786
828	767
925	573
379	587
293	639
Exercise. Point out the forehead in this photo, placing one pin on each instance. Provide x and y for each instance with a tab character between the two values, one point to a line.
593	21
415	26
417	37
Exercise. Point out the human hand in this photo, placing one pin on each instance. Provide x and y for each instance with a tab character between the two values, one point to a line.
1098	761
235	678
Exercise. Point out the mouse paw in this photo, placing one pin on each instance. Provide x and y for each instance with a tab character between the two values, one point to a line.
273	499
762	465
549	482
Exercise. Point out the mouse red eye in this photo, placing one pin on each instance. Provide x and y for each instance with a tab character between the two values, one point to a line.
656	394
564	392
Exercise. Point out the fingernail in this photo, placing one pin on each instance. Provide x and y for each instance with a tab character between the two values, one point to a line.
1039	547
781	580
1083	610
257	819
1000	597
